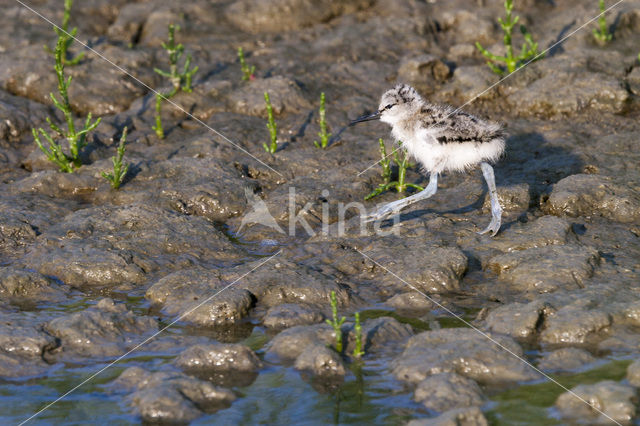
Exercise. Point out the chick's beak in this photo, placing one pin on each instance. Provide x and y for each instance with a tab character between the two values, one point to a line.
374	116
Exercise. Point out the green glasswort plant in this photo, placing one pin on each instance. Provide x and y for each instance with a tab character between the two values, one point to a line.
67	36
324	136
247	72
271	125
385	163
119	172
602	33
402	160
158	126
76	139
358	352
179	80
335	322
529	49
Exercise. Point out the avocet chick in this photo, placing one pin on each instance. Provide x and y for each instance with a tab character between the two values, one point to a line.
440	139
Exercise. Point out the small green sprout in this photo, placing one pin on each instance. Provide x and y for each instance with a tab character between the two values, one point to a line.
67	36
528	52
75	139
358	352
602	33
158	126
179	80
336	323
402	160
271	125
119	172
385	162
247	72
324	136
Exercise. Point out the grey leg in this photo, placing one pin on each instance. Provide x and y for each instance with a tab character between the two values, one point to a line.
496	209
395	206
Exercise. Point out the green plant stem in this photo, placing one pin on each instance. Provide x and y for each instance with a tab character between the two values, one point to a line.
385	162
271	125
187	74
63	33
324	136
357	351
336	323
158	127
179	80
247	72
119	171
175	51
76	139
602	33
53	152
400	185
529	50
402	171
507	26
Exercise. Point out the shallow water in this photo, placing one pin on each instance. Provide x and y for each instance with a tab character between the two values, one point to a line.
281	395
533	403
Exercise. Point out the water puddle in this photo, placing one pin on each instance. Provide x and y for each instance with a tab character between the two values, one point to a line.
531	404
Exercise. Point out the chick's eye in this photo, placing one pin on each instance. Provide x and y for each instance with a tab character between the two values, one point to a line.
389	106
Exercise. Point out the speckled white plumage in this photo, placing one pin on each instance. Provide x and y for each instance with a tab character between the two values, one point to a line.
440	139
436	157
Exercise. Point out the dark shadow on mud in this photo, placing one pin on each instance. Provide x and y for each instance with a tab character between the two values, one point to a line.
146	103
303	127
529	159
219	67
132	172
555	46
